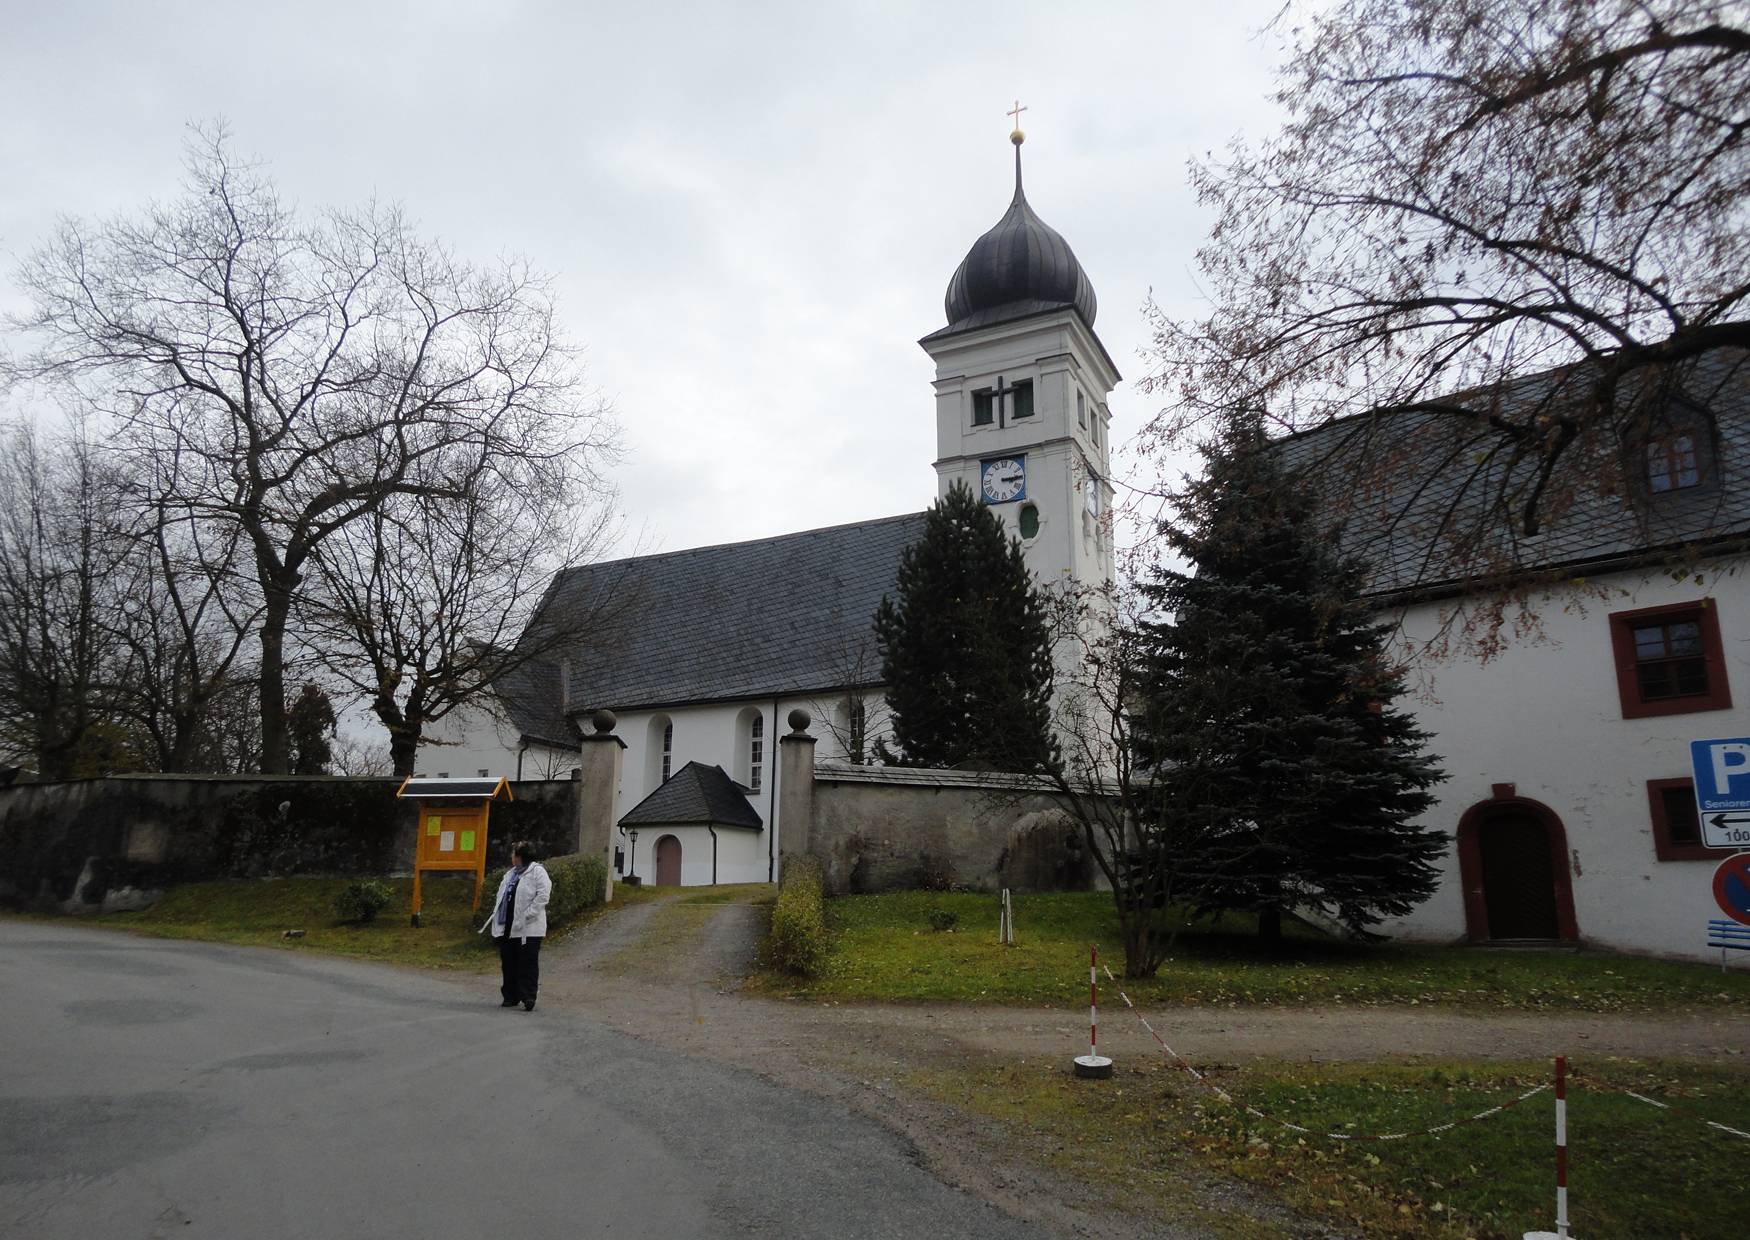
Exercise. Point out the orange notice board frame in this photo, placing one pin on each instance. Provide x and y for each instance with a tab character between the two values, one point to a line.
452	827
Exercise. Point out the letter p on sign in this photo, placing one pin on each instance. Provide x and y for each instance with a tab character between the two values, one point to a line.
1730	758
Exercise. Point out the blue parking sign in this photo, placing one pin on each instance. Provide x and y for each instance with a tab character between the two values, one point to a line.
1722	790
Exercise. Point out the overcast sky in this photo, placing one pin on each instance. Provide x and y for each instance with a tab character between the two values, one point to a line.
752	210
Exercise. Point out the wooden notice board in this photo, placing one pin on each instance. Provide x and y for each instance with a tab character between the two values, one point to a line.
452	827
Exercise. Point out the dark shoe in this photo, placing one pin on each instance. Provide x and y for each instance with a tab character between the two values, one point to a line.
508	1003
528	1005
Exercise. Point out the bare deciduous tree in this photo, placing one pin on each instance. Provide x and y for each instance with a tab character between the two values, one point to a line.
1466	193
186	622
430	599
302	373
58	552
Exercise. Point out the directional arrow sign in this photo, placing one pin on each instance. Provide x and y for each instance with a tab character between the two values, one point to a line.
1722	790
1727	830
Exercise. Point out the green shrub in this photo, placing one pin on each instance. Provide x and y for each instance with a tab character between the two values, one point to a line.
578	884
363	899
943	919
798	942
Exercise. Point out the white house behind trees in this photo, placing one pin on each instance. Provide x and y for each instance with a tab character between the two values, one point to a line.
1564	674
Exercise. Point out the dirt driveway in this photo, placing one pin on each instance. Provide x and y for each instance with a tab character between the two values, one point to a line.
670	972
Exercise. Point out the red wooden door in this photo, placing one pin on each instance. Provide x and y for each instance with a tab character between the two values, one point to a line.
668	862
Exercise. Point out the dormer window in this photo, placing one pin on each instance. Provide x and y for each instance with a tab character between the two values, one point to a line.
1673	462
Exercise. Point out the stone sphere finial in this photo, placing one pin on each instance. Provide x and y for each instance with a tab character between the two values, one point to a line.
799	721
603	722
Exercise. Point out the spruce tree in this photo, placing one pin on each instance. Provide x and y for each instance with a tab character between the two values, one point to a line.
966	646
1268	708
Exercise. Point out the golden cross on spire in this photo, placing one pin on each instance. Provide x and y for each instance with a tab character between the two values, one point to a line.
1016	113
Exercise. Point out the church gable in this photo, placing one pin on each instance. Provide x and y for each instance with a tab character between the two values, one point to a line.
696	795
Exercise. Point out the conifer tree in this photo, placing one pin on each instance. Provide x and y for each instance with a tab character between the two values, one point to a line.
1268	708
966	647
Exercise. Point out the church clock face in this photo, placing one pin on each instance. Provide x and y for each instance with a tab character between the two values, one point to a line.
1003	479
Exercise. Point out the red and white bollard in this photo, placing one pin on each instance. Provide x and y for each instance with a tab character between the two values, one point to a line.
1093	1065
1561	1231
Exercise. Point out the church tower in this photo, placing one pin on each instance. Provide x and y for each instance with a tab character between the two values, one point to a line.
1021	388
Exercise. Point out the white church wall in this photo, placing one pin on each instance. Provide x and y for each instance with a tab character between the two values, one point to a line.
741	854
1544	715
718	734
478	738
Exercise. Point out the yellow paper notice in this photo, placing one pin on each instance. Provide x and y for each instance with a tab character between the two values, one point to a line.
467	841
432	825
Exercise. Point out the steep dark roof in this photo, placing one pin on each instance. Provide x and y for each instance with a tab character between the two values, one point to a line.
531	697
1405	488
757	619
1020	268
695	794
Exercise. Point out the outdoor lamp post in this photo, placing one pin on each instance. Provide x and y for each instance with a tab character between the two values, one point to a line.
632	869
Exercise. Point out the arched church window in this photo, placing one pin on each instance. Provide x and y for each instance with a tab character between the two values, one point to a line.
658	752
856	728
1029	521
756	751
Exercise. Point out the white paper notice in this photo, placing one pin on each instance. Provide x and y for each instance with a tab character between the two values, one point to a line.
447	842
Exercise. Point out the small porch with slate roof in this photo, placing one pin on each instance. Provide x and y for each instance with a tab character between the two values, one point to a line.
681	820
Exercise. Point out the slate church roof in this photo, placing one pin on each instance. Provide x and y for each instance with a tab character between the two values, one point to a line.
774	616
1393	479
695	795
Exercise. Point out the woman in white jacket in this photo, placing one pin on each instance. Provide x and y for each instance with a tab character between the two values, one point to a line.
519	923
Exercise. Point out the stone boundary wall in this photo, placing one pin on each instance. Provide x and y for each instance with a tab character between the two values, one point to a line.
892	828
87	844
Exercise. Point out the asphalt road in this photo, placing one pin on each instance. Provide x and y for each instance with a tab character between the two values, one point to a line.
162	1089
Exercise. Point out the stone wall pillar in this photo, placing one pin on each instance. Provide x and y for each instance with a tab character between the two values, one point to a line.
598	787
795	789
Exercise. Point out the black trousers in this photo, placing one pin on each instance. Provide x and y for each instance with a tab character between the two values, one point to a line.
520	961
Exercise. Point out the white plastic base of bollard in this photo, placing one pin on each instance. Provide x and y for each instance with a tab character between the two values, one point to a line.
1548	1235
1093	1067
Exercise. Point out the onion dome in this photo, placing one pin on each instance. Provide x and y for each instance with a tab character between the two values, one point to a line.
1021	267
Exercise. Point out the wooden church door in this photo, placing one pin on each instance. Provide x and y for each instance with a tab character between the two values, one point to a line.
668	862
1518	873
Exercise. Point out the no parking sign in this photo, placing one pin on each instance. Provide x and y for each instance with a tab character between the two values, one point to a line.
1732	888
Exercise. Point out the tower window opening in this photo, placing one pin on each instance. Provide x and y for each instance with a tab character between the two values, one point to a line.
1081	410
1029	521
983	408
1023	407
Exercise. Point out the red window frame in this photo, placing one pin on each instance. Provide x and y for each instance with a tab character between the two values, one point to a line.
1719	691
1666	848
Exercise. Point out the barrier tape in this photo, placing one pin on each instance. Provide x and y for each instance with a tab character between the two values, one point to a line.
1184	1065
1672	1107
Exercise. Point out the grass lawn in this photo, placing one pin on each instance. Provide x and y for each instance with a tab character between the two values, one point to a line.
258	912
1633	1170
884	948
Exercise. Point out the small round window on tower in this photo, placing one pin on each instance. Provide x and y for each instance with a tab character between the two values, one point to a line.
1029	521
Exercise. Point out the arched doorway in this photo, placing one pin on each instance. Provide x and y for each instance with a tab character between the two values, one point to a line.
1513	861
668	862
